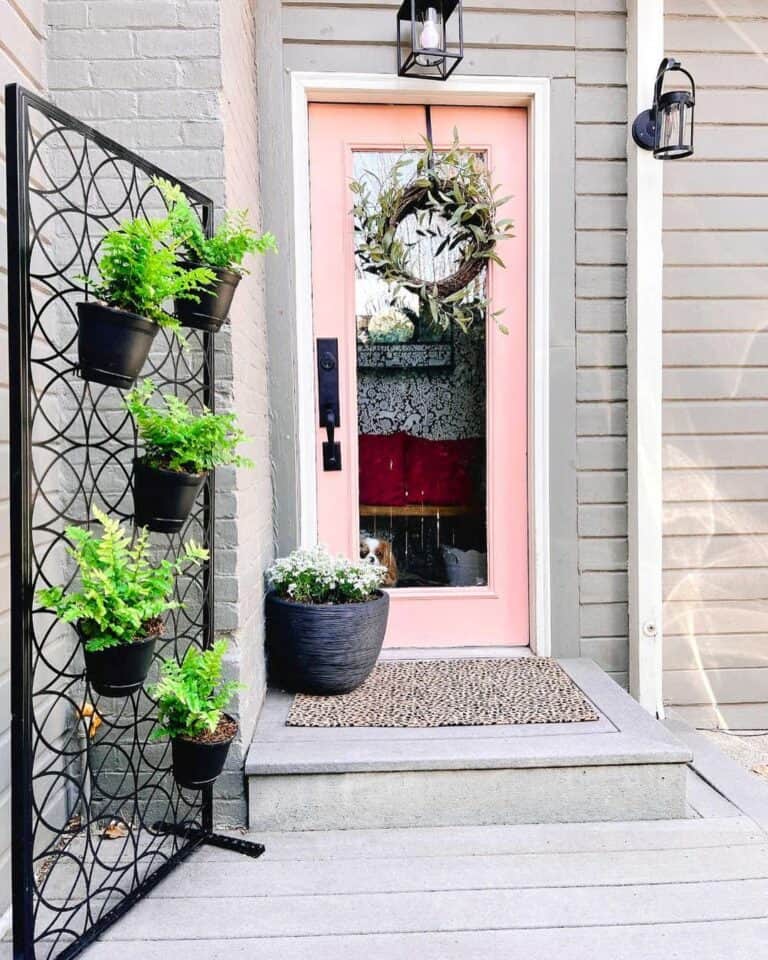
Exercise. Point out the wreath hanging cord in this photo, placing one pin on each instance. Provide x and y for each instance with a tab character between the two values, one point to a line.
454	188
428	124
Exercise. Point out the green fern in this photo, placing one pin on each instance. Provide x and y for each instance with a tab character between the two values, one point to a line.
229	245
121	591
139	271
191	695
177	438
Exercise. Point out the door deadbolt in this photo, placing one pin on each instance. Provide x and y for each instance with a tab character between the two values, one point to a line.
327	362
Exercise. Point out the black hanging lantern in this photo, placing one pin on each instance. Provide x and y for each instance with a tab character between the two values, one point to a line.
667	128
423	50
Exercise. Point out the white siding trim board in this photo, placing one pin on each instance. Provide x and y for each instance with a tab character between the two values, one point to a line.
645	48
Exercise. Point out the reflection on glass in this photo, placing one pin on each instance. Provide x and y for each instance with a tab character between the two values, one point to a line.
421	421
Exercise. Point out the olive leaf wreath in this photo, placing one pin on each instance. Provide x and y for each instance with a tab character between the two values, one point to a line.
452	186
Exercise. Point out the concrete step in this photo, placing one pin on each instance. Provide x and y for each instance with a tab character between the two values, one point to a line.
624	766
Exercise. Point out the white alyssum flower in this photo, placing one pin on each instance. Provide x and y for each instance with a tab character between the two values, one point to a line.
313	575
390	326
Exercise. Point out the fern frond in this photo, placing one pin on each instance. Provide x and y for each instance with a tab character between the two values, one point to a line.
120	589
191	695
177	438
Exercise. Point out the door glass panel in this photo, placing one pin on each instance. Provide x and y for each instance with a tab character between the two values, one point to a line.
421	398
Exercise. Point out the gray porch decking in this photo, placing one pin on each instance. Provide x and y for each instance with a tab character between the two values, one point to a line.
685	889
694	889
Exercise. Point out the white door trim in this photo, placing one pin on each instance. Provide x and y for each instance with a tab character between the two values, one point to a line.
645	268
532	93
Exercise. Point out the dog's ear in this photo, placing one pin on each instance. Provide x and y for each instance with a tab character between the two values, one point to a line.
364	551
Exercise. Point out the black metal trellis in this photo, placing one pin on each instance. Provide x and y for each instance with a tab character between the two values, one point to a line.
79	776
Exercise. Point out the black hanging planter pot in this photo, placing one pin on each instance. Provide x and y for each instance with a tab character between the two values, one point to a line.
163	499
196	763
324	648
212	309
120	671
112	344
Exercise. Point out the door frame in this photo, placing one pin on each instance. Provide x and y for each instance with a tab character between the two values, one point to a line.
532	93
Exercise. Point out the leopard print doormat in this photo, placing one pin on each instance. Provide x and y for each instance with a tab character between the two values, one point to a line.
451	693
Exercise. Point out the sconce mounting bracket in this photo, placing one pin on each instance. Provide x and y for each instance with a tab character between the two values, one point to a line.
644	130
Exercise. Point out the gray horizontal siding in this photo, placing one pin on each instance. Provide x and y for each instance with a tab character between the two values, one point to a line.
601	219
693	552
378	58
733	716
715	377
716	652
500	29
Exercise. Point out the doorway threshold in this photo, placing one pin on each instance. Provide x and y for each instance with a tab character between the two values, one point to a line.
455	653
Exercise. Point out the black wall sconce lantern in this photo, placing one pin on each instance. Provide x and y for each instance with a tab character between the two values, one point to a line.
667	128
423	52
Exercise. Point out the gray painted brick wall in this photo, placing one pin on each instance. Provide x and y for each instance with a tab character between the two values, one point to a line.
174	81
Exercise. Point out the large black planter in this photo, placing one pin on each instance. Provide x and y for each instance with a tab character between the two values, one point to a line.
197	763
163	499
120	671
213	306
324	648
112	345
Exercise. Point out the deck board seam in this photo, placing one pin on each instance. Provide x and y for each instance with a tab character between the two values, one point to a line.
452	930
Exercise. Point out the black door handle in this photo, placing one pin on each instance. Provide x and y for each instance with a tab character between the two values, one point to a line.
328	399
331	449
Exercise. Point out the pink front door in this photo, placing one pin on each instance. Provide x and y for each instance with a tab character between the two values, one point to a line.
433	428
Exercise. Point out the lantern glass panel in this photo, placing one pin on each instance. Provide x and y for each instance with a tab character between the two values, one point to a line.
674	127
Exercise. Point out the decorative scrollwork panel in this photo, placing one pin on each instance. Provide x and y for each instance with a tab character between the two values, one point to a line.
90	785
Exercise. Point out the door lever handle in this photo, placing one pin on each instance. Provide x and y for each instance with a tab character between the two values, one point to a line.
330	423
331	449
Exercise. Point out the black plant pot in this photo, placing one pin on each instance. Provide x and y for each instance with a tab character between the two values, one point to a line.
163	499
112	345
213	307
324	648
120	671
197	763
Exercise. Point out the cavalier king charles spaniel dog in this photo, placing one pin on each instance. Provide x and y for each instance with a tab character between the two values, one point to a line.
375	550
